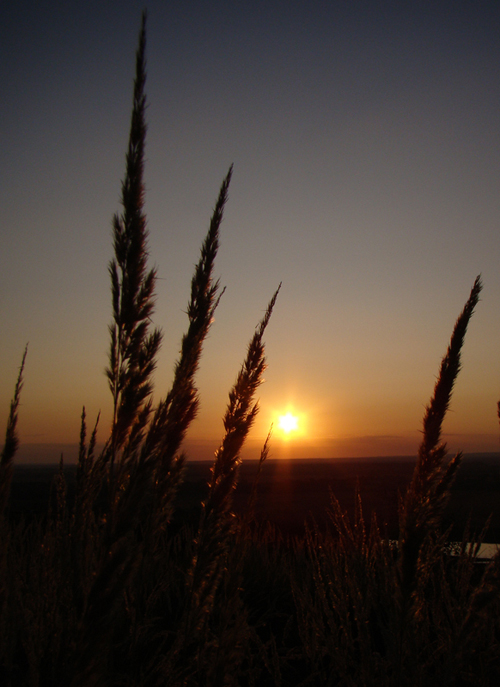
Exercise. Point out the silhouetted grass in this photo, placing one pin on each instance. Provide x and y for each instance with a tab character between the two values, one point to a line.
103	590
11	440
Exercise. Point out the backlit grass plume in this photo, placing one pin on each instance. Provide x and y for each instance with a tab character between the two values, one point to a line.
6	468
191	652
424	503
217	521
11	439
145	445
175	413
132	356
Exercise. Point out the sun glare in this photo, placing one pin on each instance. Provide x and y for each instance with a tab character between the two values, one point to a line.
288	423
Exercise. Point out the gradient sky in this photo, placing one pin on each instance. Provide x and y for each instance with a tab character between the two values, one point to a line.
365	139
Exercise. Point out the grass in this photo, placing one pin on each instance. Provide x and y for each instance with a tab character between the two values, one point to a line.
105	591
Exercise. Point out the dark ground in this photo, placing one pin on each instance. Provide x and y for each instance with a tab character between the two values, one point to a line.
291	491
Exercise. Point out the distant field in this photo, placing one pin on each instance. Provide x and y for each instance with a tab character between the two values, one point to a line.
292	491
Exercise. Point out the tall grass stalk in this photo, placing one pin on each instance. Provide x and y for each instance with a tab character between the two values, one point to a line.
252	500
6	468
216	518
217	522
145	467
421	512
424	503
11	440
132	361
175	413
133	350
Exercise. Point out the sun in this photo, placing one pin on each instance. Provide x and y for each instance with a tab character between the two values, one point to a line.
288	423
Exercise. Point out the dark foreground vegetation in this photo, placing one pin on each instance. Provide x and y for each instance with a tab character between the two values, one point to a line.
292	493
109	587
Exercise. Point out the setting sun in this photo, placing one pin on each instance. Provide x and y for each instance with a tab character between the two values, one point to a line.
288	423
291	424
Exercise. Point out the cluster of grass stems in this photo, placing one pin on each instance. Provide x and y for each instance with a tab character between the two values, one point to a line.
105	591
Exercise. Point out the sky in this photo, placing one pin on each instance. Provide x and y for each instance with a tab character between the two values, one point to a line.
365	140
